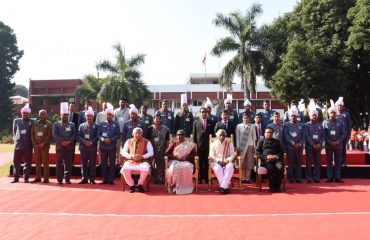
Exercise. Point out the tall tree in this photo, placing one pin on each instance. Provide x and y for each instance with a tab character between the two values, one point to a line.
124	79
245	40
90	88
21	90
9	58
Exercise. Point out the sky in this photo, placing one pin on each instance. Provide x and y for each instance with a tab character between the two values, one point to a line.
66	39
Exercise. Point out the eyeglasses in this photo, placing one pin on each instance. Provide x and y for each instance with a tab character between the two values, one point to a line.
180	134
203	111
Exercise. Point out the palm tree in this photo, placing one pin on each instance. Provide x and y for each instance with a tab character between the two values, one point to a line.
90	88
244	40
124	78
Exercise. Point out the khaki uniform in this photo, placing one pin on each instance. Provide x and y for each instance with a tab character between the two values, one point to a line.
41	135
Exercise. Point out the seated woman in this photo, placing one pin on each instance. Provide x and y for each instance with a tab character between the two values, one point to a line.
181	165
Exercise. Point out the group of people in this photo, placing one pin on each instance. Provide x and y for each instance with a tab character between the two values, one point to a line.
359	139
144	140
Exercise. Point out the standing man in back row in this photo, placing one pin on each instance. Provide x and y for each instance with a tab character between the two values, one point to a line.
121	115
167	116
184	119
266	115
346	119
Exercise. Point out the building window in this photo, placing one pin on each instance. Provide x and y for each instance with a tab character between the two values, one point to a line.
176	104
259	104
53	100
197	103
38	100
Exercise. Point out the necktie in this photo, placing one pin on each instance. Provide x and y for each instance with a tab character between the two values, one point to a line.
259	130
204	124
225	125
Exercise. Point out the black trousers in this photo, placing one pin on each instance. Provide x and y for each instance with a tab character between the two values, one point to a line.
203	165
275	172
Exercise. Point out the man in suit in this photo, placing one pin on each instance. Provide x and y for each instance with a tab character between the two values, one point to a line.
73	117
226	124
202	128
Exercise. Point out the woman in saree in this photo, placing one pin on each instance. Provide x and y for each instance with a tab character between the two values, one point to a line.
181	165
159	135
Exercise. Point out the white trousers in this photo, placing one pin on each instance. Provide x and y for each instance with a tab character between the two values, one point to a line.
224	175
127	168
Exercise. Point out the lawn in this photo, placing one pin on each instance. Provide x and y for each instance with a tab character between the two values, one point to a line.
4	148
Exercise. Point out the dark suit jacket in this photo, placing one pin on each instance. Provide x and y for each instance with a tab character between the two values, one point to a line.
74	118
230	129
200	136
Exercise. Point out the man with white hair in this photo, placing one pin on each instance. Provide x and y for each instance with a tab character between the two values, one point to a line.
41	135
314	135
132	123
248	111
345	117
335	133
64	133
88	137
137	150
294	138
222	154
108	134
22	145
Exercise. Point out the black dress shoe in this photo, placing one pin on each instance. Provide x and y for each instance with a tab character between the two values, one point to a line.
26	180
272	190
131	189
15	180
246	181
60	182
68	181
140	188
46	180
111	182
291	181
92	181
298	181
227	191
36	180
104	182
339	181
317	181
329	180
83	181
309	181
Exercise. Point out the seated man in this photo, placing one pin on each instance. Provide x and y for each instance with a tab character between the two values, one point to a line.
137	151
179	174
222	154
271	154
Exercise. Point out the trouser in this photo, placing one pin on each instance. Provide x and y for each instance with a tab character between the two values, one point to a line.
294	164
42	158
19	157
248	163
144	169
224	175
275	172
337	153
88	164
64	157
203	165
108	157
73	152
313	156
344	152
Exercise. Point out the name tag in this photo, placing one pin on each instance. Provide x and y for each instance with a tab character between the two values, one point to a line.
40	134
68	129
294	134
332	132
23	131
146	121
187	119
315	136
105	134
120	119
169	117
87	136
232	117
156	139
299	119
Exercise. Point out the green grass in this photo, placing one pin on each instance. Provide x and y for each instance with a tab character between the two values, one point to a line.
4	170
5	148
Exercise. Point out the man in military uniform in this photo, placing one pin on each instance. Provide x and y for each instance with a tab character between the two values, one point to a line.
248	111
300	117
266	115
88	137
145	117
129	125
233	115
41	135
335	133
212	118
167	116
22	145
294	138
278	129
346	119
184	119
108	134
64	133
314	135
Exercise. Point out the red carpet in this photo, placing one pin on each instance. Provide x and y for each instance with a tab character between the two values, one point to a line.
39	211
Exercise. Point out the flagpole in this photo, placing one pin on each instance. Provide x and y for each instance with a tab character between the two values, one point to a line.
205	67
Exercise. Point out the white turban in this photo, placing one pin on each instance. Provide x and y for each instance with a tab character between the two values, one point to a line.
312	108
109	109
89	111
64	108
184	99
247	103
229	99
26	109
208	103
133	109
332	107
339	101
293	111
